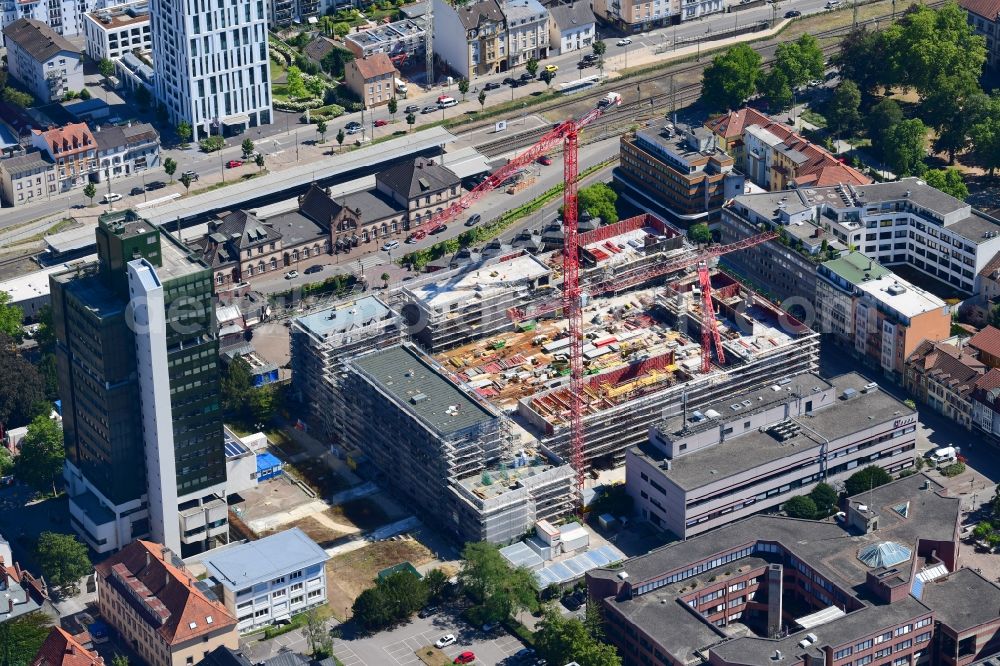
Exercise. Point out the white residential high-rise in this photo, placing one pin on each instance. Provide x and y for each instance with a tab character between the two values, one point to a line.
211	61
63	16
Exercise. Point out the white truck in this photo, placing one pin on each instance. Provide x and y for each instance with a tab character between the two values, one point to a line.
401	86
609	100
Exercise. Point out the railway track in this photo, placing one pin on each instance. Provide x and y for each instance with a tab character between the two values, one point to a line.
677	98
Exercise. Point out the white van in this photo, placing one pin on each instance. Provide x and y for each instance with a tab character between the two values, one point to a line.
945	454
447	102
401	86
831	4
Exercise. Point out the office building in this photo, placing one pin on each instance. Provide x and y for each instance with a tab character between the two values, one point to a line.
212	67
320	343
137	357
571	27
42	60
470	39
527	31
271	579
678	170
113	32
881	585
750	452
159	609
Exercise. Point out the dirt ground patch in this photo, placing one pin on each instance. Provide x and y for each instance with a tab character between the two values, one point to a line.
323	535
318	475
348	575
432	656
363	512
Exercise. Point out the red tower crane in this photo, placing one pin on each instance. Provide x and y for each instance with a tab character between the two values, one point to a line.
709	326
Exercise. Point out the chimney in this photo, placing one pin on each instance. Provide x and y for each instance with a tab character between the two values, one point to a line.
147	558
10	606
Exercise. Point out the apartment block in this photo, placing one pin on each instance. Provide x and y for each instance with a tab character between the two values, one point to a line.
159	609
26	178
400	40
320	344
571	27
943	376
141	420
268	580
527	31
285	13
113	32
637	16
372	79
126	150
749	452
985	405
66	17
678	170
470	39
42	60
984	17
73	149
881	585
212	67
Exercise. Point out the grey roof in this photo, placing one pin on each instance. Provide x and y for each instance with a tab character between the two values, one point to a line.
475	14
528	11
963	600
344	317
374	205
26	163
570	16
115	136
264	559
417	387
413	178
224	656
38	39
296	229
415	10
919	192
975	227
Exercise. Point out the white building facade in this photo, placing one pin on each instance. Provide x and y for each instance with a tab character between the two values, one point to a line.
212	67
64	16
571	27
42	60
111	33
527	31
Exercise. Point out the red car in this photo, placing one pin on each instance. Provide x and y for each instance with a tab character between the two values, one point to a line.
545	159
232	164
466	657
381	123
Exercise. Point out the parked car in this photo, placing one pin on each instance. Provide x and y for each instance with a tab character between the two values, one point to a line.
943	455
354	124
445	641
381	123
591	57
545	160
193	175
552	69
111	197
232	164
793	13
354	130
412	108
492	85
390	245
291	275
439	229
155	185
624	41
429	109
473	220
527	76
313	269
466	657
136	191
429	610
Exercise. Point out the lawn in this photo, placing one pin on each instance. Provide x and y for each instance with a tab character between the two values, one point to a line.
348	575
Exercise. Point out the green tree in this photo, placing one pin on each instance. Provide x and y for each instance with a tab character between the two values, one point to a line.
952	108
372	609
21	637
41	459
561	640
186	181
341	29
463	87
986	136
481	98
949	181
845	109
599	48
212	144
599	200
385	280
392	107
6	461
548	77
106	69
119	660
247	147
503	591
800	60
863	58
776	90
882	118
142	97
825	498
170	167
340	139
90	191
411	120
16	97
184	132
22	391
436	580
320	641
246	403
296	85
333	62
531	66
865	479
699	233
259	161
731	78
393	599
63	560
800	506
85	95
906	147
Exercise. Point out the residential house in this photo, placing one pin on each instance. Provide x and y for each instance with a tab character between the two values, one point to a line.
22	592
422	185
635	16
403	41
678	172
159	609
73	148
572	27
126	150
115	31
371	79
27	177
42	60
62	649
985	400
484	48
984	17
987	344
943	375
271	579
527	31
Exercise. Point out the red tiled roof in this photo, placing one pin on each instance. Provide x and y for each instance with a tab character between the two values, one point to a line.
731	125
74	136
377	64
987	340
989	381
947	364
988	9
61	649
993	265
168	591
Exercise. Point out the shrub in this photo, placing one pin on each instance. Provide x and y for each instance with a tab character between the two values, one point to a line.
953	469
212	144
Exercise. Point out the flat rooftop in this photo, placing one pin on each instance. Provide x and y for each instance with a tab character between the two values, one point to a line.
344	317
901	296
121	16
264	560
755	448
964	601
856	268
419	388
469	284
497	481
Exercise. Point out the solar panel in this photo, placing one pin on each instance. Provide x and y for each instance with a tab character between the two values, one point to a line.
234	448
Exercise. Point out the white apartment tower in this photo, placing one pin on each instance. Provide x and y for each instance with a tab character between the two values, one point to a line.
212	63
